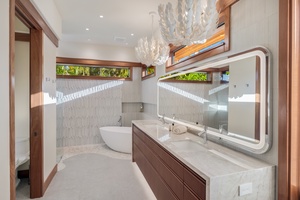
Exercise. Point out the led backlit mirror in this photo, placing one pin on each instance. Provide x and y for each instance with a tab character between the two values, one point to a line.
232	101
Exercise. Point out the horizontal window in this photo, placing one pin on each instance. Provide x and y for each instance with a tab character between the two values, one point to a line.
78	70
148	72
198	77
189	51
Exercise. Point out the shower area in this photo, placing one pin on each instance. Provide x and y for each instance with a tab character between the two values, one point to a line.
83	106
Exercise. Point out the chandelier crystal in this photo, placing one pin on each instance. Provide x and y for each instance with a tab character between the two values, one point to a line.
193	22
152	52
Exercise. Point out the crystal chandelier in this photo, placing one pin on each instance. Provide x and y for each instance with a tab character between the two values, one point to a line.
193	22
152	52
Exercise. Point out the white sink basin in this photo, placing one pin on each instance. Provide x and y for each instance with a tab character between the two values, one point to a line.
189	145
156	126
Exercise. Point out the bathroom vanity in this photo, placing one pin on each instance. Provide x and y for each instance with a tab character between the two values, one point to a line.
183	167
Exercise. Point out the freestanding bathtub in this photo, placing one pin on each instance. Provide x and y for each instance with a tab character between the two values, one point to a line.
117	138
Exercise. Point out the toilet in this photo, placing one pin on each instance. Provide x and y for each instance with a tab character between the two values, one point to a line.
22	154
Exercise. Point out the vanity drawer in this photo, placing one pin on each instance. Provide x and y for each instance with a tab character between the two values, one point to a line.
169	177
168	159
196	183
139	133
188	194
165	173
158	186
171	162
162	170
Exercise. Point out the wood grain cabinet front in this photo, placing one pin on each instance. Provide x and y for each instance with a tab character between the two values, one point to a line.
168	177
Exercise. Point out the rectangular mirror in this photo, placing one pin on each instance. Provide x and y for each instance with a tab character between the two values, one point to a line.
232	101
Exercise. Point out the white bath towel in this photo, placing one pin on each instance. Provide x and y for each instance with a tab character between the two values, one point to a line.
179	129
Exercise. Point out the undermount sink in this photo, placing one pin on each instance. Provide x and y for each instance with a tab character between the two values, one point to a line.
156	126
193	146
189	145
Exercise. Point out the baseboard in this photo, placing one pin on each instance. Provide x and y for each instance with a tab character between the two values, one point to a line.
49	179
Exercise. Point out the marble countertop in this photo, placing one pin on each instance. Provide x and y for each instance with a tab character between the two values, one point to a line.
211	161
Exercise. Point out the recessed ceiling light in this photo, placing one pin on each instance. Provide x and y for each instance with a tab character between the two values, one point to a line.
101	16
87	29
132	34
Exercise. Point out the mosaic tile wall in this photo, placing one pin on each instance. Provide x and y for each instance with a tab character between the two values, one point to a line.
83	106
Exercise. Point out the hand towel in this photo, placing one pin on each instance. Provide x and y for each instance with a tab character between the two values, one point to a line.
179	129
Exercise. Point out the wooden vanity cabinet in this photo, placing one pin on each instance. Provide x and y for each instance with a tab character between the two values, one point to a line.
167	176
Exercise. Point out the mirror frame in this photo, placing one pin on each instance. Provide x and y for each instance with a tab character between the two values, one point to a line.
265	133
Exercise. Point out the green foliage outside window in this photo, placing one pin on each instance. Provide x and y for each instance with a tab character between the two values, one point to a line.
150	70
194	76
118	72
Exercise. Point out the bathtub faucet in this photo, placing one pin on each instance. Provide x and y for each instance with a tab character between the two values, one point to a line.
222	129
120	120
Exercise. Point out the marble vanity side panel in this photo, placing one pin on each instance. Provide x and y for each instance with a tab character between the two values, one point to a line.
227	187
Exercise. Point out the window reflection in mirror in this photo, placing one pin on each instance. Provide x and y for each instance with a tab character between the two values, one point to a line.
232	105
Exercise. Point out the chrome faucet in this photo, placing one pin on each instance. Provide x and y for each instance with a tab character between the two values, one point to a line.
222	130
162	119
204	135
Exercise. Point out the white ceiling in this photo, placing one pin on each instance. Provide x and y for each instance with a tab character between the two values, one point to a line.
121	19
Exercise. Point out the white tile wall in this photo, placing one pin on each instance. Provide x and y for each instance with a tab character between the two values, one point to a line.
191	109
85	105
131	111
78	119
150	111
131	90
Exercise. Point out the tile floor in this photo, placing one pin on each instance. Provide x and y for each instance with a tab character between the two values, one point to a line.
94	172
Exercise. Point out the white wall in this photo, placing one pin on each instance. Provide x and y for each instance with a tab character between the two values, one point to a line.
149	93
49	12
131	98
4	100
253	23
22	115
97	52
131	90
20	27
242	97
49	91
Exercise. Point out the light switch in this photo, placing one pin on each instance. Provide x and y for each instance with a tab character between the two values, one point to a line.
245	189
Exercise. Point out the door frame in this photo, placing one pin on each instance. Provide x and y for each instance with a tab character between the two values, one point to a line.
288	100
28	14
36	167
12	98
